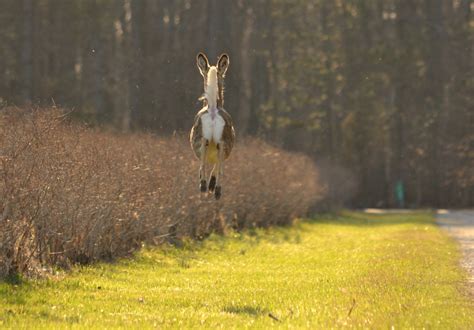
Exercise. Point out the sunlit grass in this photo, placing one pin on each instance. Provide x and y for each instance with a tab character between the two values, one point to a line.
355	270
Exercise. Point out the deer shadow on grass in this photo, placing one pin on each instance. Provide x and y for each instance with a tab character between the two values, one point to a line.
245	310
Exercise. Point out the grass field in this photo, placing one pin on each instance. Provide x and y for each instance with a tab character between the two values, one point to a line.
356	270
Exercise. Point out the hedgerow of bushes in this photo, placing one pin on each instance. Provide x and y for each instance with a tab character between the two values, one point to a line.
71	194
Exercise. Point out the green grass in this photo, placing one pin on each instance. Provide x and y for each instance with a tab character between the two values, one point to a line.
356	270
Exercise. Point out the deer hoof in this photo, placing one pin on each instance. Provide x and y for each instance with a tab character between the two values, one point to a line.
217	192
212	183
203	186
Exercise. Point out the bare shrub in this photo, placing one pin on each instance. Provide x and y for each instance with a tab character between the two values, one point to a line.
71	194
338	185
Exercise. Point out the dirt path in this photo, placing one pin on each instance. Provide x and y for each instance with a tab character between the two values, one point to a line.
460	225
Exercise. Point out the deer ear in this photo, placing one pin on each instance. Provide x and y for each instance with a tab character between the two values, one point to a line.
202	63
223	63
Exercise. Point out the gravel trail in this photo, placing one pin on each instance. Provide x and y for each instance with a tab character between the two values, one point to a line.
460	225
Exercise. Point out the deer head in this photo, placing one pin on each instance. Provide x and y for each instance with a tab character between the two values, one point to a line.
219	69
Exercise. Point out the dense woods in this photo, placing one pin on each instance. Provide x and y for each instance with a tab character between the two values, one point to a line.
378	92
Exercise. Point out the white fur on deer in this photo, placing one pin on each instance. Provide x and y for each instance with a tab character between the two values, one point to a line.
212	122
212	135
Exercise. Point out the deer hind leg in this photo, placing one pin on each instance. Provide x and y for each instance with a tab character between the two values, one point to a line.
202	167
212	179
220	170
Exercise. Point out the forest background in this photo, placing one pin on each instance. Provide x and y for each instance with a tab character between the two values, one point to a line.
378	93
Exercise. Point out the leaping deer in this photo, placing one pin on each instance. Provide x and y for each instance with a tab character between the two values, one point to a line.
212	135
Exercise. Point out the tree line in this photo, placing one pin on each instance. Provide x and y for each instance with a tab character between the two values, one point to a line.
378	92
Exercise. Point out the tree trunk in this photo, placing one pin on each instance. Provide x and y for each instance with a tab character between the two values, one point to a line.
246	72
27	52
435	82
136	11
